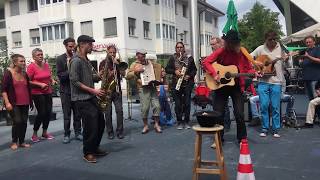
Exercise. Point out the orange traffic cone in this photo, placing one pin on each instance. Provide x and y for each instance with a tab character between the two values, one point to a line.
245	168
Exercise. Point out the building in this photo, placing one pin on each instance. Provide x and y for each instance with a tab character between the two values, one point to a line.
299	14
3	32
154	25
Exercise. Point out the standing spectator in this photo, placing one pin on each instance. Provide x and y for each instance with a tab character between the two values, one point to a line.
17	97
311	68
39	73
63	65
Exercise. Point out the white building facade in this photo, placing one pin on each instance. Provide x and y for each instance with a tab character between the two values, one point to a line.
154	25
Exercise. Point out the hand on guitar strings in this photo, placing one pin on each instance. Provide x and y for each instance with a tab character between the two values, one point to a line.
217	79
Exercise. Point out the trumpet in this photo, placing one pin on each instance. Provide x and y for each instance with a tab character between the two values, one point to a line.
183	72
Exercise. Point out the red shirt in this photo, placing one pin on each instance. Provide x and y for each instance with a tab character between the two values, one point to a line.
43	75
21	92
226	58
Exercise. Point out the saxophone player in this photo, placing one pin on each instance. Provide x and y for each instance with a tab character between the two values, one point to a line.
182	88
82	77
147	93
111	69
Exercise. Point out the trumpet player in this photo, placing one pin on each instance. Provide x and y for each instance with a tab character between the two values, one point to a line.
183	69
82	76
110	68
147	93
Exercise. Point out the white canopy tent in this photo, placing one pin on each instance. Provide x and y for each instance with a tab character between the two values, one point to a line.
313	30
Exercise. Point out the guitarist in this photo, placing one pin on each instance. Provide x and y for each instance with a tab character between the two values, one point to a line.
230	54
269	87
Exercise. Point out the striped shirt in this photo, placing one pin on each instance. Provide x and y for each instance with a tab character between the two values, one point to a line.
81	72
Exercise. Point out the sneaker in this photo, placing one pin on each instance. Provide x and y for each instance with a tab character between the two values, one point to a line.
47	136
66	140
187	126
35	138
213	145
90	158
180	126
308	125
78	137
263	134
276	135
111	135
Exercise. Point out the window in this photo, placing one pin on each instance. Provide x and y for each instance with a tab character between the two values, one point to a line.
110	26
47	1
14	8
208	18
215	22
146	29
184	10
185	37
50	35
2	13
16	39
145	2
177	35
201	39
44	34
176	7
156	2
42	2
158	34
84	1
70	28
59	31
34	36
55	1
132	26
32	5
86	28
172	33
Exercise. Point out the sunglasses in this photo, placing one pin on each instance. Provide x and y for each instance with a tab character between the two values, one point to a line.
272	39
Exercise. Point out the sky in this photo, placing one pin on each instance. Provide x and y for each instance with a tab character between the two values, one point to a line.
243	6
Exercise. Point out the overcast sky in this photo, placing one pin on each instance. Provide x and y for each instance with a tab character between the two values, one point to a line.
243	6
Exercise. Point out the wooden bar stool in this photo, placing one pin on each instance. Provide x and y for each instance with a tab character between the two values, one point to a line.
198	162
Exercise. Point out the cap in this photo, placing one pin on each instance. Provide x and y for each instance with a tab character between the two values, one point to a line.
141	51
85	38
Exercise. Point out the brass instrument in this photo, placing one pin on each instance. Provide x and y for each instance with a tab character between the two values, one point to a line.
109	83
183	72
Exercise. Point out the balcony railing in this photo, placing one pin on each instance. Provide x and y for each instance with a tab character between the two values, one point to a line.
2	24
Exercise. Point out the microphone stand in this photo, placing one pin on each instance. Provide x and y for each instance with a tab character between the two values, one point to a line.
129	100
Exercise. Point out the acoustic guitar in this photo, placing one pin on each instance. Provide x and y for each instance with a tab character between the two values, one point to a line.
266	65
227	75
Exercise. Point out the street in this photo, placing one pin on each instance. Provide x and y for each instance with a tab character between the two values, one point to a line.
294	156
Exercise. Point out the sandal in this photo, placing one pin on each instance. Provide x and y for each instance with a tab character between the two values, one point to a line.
145	130
25	145
157	128
14	146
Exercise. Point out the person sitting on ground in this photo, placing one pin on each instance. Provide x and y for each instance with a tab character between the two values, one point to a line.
312	106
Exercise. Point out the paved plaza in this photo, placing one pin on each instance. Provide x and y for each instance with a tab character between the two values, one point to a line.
169	156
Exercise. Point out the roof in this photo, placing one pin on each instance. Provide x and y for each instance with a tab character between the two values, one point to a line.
209	6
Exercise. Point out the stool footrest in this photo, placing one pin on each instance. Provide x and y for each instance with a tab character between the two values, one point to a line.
209	163
208	171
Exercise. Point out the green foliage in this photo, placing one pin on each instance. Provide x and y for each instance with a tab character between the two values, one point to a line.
256	23
52	63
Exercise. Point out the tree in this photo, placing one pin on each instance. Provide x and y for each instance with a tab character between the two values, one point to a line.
256	23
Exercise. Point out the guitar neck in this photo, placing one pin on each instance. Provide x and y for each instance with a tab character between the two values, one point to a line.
242	74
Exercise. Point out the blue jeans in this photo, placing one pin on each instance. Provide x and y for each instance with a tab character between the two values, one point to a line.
254	103
289	99
255	107
270	94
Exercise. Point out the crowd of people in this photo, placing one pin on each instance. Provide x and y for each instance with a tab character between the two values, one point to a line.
23	87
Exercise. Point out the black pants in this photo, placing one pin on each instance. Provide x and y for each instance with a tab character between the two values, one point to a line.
182	99
19	116
93	124
116	98
67	106
220	101
43	103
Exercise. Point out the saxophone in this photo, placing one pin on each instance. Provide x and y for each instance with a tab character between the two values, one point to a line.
183	72
109	83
